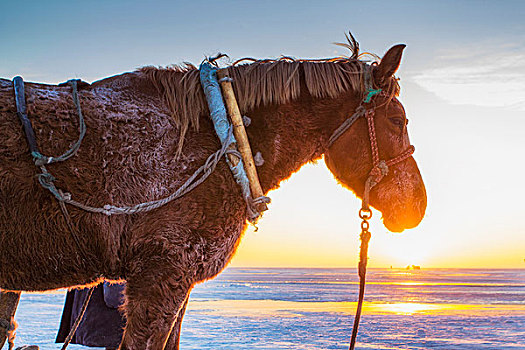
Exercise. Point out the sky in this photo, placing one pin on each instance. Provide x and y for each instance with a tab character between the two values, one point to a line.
462	84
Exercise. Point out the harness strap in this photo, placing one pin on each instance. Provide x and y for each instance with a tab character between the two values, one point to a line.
41	159
21	111
45	177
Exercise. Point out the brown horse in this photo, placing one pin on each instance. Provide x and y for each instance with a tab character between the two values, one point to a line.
134	152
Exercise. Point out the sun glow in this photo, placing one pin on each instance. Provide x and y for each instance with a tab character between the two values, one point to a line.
407	308
281	308
406	249
323	231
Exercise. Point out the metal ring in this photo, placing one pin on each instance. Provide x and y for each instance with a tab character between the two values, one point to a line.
365	214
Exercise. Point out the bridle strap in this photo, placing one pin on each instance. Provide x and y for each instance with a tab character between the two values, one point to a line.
361	109
379	167
372	134
377	173
359	112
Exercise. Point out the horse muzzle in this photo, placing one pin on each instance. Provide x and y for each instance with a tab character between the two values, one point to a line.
401	197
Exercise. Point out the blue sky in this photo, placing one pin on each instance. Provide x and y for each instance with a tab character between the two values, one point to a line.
55	40
462	78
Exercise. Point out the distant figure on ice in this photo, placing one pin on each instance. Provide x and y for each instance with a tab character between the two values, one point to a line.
102	324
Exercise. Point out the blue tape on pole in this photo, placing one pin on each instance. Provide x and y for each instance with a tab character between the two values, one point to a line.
212	90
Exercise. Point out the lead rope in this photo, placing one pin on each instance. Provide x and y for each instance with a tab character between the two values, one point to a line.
365	215
378	172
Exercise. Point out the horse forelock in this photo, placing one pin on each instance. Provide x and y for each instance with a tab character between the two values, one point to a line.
259	83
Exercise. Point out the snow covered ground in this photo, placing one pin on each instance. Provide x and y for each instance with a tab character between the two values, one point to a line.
313	309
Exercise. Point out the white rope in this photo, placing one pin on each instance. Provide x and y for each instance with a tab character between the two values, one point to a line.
47	181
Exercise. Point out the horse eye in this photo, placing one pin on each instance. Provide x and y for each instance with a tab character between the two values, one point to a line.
397	121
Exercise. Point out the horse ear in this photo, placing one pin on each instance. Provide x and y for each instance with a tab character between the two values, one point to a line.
389	64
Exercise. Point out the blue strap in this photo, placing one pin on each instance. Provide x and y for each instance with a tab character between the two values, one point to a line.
212	90
371	93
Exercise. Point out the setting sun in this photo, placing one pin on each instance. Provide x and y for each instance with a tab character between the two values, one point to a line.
405	251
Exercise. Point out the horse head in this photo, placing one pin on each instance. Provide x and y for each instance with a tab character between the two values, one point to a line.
400	194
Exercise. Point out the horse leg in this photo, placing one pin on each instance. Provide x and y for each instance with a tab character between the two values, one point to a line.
8	305
174	339
151	311
158	283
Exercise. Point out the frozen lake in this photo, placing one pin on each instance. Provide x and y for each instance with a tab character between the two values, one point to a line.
247	308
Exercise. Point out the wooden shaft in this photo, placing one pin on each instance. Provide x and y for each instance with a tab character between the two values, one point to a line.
8	305
234	160
241	137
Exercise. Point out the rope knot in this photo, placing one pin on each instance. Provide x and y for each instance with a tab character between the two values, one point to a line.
40	159
261	200
109	209
66	196
46	180
383	167
252	206
378	173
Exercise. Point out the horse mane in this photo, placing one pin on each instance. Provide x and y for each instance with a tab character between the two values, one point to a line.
258	83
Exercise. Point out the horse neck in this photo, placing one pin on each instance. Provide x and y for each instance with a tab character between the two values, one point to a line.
289	136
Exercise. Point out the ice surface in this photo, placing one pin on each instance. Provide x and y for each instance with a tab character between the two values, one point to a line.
313	309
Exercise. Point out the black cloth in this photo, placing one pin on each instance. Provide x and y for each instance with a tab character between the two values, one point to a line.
102	324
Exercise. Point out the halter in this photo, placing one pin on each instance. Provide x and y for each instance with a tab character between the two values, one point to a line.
377	173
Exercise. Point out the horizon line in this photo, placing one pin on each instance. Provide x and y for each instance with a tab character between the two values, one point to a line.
376	268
